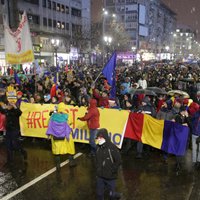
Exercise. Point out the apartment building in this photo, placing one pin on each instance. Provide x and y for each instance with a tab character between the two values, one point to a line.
68	21
147	22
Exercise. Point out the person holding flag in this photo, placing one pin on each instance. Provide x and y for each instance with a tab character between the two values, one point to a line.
110	75
103	100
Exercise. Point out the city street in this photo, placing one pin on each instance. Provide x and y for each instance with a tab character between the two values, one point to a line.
140	179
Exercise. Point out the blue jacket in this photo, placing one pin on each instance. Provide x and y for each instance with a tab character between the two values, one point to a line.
196	123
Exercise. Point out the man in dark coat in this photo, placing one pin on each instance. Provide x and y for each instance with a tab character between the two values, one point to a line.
12	113
108	160
145	108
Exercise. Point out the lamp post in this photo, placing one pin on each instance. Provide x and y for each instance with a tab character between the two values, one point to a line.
106	14
55	45
108	41
134	50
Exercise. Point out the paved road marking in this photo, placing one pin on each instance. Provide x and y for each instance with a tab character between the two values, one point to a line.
27	185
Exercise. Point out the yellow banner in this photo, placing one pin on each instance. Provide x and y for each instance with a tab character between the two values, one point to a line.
35	117
20	58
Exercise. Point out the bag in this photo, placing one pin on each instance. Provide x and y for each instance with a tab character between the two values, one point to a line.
58	138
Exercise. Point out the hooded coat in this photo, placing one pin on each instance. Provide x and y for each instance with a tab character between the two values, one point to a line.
92	116
108	158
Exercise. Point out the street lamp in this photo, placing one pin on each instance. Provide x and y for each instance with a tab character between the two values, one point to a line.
105	15
108	41
55	45
134	51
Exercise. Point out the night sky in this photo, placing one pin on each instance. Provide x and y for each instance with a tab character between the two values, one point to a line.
188	13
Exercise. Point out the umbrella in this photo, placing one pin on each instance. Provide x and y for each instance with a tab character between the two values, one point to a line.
187	80
157	90
180	92
143	91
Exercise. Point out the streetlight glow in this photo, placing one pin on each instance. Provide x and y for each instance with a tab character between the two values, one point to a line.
108	39
55	44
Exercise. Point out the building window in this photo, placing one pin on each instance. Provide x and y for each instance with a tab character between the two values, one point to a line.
76	12
33	19
54	5
67	26
67	10
44	3
58	24
49	4
44	21
54	23
33	1
76	28
63	25
62	8
58	7
50	22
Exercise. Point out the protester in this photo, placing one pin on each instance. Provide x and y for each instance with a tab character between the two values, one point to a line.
108	161
103	100
12	135
59	132
20	99
145	108
142	82
182	118
197	97
92	118
195	127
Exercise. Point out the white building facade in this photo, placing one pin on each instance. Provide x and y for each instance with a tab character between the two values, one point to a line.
68	21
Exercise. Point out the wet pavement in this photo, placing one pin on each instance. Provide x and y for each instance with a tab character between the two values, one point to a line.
148	178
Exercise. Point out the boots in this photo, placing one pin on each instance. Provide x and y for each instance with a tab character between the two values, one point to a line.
72	162
57	161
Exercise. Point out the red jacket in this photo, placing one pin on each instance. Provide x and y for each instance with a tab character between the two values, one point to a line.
102	101
92	116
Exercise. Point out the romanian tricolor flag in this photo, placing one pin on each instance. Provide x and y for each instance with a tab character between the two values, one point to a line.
166	135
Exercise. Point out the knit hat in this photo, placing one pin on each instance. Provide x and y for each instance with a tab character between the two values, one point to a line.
62	108
194	107
102	133
20	93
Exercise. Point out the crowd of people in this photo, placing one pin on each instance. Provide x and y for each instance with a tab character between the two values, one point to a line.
136	91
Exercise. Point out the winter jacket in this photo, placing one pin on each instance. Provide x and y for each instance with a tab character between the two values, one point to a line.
92	116
164	114
108	159
195	123
148	109
12	119
102	101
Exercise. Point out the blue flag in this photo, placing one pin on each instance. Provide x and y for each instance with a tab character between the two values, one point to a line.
17	80
109	73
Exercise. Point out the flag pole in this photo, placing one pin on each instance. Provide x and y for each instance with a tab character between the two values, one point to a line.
97	77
